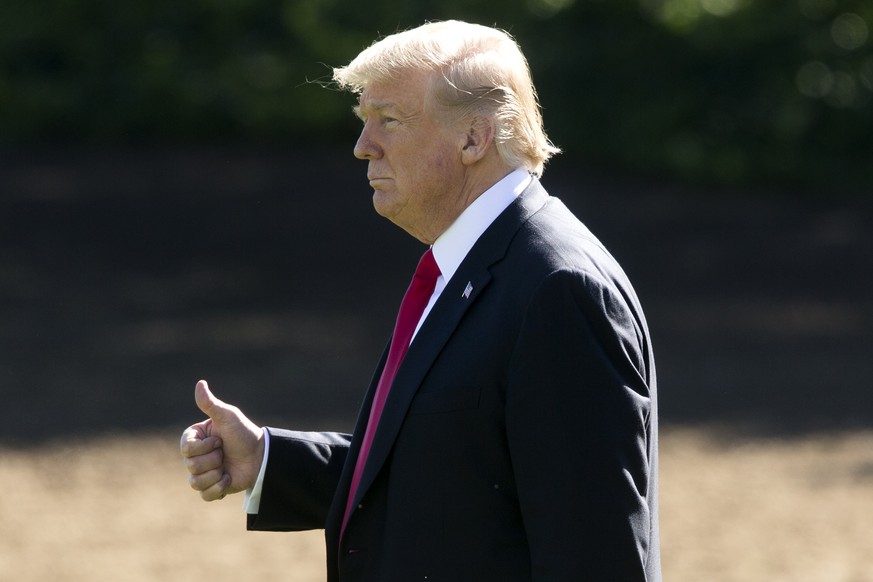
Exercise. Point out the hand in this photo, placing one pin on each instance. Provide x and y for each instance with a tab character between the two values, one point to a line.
224	452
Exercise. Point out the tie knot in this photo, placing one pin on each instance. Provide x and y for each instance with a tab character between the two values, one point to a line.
427	269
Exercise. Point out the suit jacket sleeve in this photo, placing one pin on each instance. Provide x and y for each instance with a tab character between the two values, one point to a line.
300	480
578	414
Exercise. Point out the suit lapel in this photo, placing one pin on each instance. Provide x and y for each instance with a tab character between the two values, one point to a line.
433	335
465	287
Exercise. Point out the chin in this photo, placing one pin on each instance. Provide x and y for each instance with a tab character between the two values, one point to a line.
384	204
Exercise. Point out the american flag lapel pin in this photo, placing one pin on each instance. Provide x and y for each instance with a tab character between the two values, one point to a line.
467	290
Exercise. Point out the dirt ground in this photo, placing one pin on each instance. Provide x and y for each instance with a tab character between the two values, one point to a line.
119	508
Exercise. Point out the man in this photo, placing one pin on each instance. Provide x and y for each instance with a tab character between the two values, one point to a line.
516	439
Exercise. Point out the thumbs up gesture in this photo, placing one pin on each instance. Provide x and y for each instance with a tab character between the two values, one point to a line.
223	454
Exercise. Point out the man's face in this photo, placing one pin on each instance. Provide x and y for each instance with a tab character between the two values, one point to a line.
414	158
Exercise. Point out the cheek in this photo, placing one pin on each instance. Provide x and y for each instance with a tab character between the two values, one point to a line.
445	170
443	162
427	168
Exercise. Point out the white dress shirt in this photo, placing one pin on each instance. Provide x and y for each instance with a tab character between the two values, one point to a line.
449	251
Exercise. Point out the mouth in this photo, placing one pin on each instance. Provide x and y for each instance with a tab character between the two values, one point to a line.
377	180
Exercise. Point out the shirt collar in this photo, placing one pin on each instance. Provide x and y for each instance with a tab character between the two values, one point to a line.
453	245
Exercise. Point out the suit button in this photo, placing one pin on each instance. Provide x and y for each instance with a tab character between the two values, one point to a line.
360	506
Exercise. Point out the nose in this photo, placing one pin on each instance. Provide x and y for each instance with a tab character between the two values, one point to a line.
366	148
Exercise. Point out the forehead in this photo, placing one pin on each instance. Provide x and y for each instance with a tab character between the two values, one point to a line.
407	93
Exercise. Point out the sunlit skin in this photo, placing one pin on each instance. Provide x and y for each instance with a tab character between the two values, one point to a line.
424	168
224	452
424	171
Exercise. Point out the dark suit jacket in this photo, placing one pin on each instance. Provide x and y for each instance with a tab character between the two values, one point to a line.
519	440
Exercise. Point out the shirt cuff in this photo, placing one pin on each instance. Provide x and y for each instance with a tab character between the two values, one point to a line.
252	501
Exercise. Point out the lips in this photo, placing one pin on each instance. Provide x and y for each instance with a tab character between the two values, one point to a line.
375	181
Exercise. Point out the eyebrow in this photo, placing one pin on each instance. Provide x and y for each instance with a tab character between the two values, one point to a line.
378	107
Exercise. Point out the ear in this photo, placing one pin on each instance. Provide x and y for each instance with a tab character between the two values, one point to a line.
479	138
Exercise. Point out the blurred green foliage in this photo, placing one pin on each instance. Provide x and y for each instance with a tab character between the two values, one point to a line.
718	90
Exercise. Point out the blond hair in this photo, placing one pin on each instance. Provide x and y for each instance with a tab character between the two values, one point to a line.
477	70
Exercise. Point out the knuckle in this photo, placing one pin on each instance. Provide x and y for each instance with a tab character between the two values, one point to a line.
203	481
190	447
192	465
202	463
214	493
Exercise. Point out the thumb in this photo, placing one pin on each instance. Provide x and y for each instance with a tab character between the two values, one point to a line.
207	402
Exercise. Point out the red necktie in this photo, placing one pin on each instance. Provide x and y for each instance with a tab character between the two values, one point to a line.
414	302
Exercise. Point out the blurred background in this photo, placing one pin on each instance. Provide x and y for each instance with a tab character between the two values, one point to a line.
179	199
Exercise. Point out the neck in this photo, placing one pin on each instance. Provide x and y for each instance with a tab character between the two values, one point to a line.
475	184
